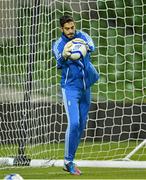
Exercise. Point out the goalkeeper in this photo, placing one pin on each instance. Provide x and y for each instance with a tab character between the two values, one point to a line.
77	78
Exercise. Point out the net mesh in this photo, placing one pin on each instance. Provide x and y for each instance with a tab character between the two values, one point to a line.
32	117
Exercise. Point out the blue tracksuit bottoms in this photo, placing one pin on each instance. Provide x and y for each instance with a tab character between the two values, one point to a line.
77	104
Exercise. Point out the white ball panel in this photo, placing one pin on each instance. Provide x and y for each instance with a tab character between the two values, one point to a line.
78	50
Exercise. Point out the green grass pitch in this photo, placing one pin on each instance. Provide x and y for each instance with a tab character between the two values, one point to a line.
88	173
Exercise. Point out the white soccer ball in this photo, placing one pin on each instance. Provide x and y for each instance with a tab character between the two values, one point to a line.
78	50
13	177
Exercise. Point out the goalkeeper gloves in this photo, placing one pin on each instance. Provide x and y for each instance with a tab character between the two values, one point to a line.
81	41
66	51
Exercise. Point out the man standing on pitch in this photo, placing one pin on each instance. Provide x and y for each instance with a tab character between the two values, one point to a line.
77	78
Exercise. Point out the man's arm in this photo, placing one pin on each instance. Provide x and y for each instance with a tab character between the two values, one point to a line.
58	55
61	53
87	40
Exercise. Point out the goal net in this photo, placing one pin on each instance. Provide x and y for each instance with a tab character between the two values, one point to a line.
32	117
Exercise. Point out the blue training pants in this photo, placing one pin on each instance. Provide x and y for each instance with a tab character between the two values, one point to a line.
77	104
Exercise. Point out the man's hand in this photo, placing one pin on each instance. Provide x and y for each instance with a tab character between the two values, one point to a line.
81	41
66	51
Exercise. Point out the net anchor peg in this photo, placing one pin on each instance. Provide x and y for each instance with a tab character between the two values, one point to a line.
21	160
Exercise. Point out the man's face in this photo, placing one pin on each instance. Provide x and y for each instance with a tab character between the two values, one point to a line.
69	29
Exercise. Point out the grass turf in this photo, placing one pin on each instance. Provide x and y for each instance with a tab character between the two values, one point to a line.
88	173
94	151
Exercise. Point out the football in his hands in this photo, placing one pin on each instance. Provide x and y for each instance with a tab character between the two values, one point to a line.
78	50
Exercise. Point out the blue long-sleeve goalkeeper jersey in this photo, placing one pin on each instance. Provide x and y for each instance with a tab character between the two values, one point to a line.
76	74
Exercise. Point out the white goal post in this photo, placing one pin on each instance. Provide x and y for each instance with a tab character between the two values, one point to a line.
32	117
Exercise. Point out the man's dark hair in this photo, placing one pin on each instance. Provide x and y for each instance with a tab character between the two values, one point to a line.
65	19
